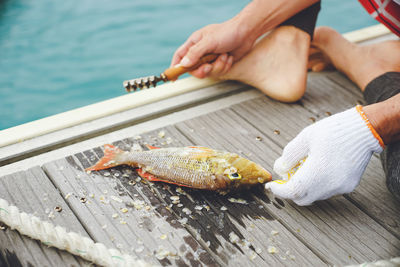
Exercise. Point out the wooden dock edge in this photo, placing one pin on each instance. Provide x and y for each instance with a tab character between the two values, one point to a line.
98	110
367	33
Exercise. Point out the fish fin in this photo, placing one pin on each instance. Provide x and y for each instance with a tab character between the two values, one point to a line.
148	176
201	155
152	178
109	158
204	152
201	148
151	147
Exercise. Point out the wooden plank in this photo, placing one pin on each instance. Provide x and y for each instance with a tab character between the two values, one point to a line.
120	213
249	223
373	197
320	226
32	192
341	79
323	95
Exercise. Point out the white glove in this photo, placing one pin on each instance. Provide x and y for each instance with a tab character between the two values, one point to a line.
336	152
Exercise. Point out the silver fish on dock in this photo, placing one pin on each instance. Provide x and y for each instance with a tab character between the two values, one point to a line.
195	167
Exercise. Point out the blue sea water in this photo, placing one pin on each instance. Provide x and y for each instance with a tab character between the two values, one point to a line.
60	55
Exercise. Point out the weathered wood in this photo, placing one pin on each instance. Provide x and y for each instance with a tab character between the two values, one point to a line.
323	95
119	215
32	192
341	79
373	197
249	223
320	226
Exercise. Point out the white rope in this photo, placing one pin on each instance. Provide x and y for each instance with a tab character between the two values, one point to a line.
394	262
57	236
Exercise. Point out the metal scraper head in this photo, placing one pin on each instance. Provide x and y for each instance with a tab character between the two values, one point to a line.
143	83
170	74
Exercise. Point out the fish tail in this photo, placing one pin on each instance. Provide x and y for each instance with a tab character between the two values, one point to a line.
112	157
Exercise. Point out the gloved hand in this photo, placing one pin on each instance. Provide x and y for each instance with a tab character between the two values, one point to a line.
336	152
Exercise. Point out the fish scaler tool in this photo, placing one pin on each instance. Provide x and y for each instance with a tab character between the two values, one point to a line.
169	74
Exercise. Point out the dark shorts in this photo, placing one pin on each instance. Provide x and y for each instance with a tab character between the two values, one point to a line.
380	89
305	20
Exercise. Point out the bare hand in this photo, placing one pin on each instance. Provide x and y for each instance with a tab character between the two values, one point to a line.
228	39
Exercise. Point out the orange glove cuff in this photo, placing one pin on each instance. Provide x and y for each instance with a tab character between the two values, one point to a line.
359	109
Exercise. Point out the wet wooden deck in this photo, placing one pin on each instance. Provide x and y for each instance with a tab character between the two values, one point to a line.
251	228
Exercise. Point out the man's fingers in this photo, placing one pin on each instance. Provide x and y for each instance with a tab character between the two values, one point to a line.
195	52
303	202
293	153
313	50
181	52
217	68
319	67
282	189
312	62
202	71
184	48
296	187
218	65
228	65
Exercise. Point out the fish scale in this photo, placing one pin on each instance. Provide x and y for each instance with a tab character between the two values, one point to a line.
167	163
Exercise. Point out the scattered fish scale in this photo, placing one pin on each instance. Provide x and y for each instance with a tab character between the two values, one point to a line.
272	250
187	211
233	238
274	232
116	199
238	200
198	207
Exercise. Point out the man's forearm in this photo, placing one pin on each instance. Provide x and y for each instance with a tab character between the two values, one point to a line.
385	118
261	16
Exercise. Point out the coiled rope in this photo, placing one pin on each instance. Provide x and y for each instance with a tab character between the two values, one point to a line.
57	236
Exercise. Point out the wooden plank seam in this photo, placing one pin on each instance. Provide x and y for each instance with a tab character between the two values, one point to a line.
57	236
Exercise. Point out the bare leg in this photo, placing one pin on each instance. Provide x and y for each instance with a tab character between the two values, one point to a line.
277	65
360	63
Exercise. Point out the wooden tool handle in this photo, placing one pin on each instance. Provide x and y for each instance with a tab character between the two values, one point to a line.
174	72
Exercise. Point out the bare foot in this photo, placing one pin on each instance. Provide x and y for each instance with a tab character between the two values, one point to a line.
277	65
360	63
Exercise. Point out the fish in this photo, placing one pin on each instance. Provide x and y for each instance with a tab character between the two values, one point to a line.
193	166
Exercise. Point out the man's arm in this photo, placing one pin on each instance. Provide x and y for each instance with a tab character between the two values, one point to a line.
385	118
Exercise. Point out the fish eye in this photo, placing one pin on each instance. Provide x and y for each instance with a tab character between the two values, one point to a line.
234	176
